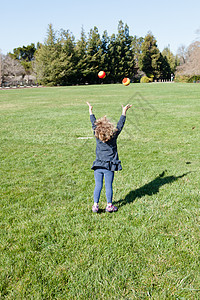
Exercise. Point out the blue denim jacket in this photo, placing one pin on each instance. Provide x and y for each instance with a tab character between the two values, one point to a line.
106	153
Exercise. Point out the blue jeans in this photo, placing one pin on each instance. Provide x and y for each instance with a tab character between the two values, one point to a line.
99	174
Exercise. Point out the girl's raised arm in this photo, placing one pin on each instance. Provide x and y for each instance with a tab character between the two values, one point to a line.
125	108
92	116
90	108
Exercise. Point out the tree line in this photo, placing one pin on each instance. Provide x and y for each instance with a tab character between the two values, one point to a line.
61	60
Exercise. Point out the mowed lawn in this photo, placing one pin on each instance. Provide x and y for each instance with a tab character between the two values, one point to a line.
51	244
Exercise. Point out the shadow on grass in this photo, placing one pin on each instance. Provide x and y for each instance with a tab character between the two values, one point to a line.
150	188
101	211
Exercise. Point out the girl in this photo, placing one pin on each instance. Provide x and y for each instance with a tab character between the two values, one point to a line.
107	160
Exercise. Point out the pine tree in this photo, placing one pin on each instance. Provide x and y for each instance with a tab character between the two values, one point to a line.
81	49
112	59
104	57
126	61
67	60
150	60
46	59
137	48
93	55
171	59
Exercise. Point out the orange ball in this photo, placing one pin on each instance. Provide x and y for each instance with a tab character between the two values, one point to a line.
102	74
126	81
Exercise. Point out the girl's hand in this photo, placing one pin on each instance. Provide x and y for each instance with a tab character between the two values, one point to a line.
125	108
90	107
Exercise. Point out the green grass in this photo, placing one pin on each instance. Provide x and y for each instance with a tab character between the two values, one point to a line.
52	246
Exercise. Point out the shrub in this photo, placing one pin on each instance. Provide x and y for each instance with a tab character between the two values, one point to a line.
151	77
50	84
181	78
187	78
145	79
195	78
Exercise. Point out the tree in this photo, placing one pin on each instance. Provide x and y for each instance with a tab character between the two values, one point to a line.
67	60
165	70
81	50
113	59
170	58
104	57
25	55
137	48
46	59
126	61
121	54
150	59
182	54
11	69
93	55
191	65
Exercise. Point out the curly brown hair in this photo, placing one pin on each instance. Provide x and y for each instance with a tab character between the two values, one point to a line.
104	130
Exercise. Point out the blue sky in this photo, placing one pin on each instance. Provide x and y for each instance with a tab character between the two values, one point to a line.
172	22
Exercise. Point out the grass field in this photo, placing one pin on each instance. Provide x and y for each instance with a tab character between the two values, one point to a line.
51	245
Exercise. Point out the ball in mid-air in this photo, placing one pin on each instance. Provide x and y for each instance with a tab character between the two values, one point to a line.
102	74
126	81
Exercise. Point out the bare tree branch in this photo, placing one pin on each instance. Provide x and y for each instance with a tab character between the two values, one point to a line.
191	65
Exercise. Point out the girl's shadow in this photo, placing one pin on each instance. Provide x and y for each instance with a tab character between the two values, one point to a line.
150	188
